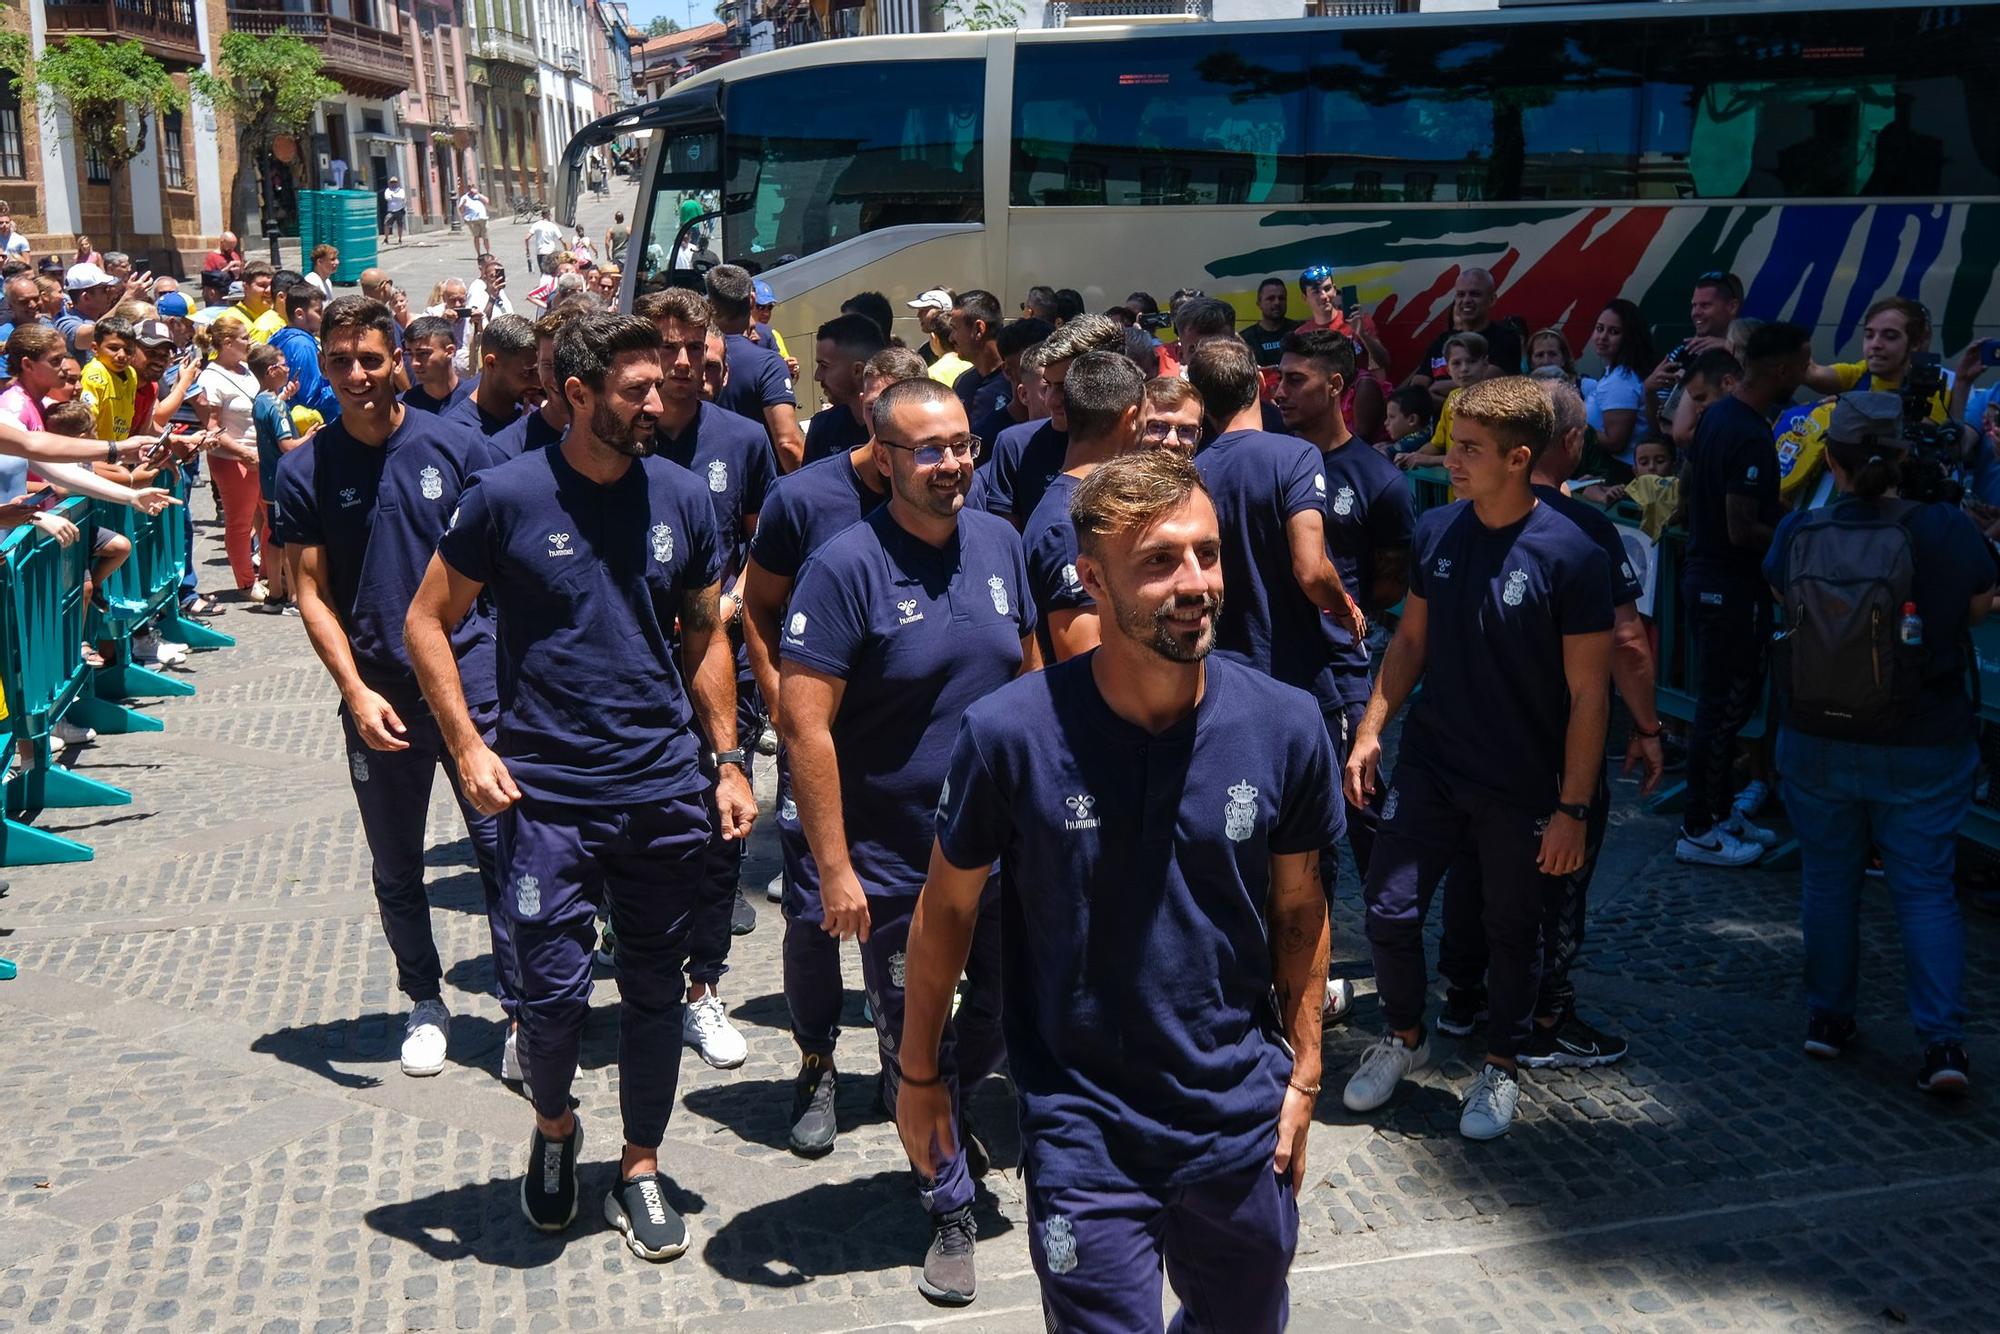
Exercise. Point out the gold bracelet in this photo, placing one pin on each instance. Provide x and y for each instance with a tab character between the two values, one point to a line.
1296	1087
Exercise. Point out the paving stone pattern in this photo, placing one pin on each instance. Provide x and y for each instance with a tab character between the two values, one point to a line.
210	1131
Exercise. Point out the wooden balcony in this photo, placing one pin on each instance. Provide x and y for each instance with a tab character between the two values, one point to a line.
361	58
166	28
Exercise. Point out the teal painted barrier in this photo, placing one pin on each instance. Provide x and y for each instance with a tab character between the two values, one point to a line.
43	673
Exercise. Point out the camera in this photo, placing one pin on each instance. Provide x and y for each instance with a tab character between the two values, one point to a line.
1155	319
1932	467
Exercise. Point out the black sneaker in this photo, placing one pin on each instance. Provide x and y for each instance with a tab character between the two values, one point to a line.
1464	1010
977	1160
1827	1035
548	1187
813	1125
948	1277
1947	1070
639	1209
1571	1043
742	917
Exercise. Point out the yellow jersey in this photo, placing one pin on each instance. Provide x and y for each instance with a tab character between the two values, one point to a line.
113	397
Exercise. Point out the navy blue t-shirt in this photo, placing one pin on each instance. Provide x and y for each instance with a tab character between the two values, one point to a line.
981	394
1135	927
989	427
1049	540
1493	713
1369	508
1952	563
468	411
378	512
586	582
918	633
1733	455
732	458
758	379
525	434
1597	526
1258	481
1025	459
834	431
806	508
417	396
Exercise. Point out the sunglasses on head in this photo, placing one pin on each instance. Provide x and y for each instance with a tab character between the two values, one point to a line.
1318	273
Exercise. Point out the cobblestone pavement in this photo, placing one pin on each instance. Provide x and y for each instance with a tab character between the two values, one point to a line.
211	1131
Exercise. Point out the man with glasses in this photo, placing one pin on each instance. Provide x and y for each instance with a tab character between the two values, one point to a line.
1026	458
897	626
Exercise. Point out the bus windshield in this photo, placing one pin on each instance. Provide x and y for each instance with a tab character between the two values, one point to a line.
815	156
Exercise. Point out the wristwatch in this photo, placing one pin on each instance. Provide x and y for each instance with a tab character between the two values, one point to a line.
718	758
1575	810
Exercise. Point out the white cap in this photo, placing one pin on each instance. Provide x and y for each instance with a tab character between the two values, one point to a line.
935	299
82	277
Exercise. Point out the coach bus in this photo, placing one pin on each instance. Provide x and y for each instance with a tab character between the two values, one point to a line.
1828	153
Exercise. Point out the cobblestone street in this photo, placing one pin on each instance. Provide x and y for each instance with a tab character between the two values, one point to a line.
211	1131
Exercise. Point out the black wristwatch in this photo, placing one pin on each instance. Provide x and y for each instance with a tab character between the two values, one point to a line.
718	758
111	451
1575	810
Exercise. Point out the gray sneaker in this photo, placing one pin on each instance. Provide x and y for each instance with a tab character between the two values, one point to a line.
1382	1067
1490	1103
948	1277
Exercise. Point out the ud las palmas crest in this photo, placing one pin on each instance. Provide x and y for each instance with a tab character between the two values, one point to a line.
663	543
718	476
1240	815
998	588
432	482
528	895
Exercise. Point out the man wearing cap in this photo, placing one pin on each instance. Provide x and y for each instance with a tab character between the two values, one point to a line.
92	295
934	318
155	352
762	301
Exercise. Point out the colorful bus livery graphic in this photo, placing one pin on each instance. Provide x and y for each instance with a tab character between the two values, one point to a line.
1815	264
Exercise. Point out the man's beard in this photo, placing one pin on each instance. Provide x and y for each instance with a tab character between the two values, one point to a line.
629	438
933	501
1153	627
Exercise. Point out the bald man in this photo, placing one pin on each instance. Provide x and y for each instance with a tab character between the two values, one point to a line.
1471	312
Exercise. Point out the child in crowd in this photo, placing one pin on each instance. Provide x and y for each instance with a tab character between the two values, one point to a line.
110	384
276	436
1409	420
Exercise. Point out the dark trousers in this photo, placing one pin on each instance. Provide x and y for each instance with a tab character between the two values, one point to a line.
1427	825
972	1046
1363	822
1226	1243
1730	630
1462	949
562	864
392	788
811	956
708	934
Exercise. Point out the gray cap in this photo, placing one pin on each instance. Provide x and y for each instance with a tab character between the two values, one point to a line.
1867	417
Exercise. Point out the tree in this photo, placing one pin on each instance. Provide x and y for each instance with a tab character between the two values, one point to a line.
269	86
112	92
662	26
981	15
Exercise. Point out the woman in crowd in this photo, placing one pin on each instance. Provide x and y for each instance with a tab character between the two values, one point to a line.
1548	347
229	391
1615	406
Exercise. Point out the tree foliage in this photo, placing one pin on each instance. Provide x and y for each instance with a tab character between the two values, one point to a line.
981	15
662	26
268	85
112	92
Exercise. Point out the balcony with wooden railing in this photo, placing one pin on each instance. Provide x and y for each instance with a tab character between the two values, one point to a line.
362	58
166	28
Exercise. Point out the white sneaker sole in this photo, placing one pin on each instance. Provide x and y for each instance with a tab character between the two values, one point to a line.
615	1216
702	1052
1691	855
1483	1134
422	1071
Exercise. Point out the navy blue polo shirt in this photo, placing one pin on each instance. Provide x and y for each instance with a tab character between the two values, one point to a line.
1494	711
1049	541
918	633
525	434
378	513
806	508
1258	481
1369	508
1733	455
417	396
758	379
467	411
1953	561
833	431
1135	891
982	394
989	427
1025	459
1598	527
732	459
586	583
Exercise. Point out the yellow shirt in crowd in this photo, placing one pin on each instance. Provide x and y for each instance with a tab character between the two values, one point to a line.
114	397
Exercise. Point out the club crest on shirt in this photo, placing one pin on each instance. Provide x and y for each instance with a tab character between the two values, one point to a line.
798	626
559	545
896	965
1516	589
718	476
357	764
663	542
788	811
528	896
1389	805
349	497
1750	474
1343	501
907	613
998	588
1239	817
1081	807
1069	577
431	482
1059	1244
1441	570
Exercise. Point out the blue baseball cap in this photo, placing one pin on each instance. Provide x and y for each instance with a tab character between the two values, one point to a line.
171	304
762	292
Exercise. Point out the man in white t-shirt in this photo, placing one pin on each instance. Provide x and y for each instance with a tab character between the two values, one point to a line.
544	243
472	212
395	209
11	242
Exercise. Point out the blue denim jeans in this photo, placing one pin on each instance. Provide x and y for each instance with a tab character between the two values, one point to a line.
1906	803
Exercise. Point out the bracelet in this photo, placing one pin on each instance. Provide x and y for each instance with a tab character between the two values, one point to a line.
1640	731
930	1083
1311	1091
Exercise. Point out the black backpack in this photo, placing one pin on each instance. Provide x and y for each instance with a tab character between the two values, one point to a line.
1848	573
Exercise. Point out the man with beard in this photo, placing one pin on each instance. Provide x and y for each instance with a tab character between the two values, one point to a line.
546	424
508	376
897	626
1164	1105
589	550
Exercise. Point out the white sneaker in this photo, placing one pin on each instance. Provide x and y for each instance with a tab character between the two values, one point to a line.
513	1061
148	649
1339	1000
259	592
424	1038
1382	1067
1490	1103
1751	799
1718	847
56	747
1739	825
775	891
74	734
707	1029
